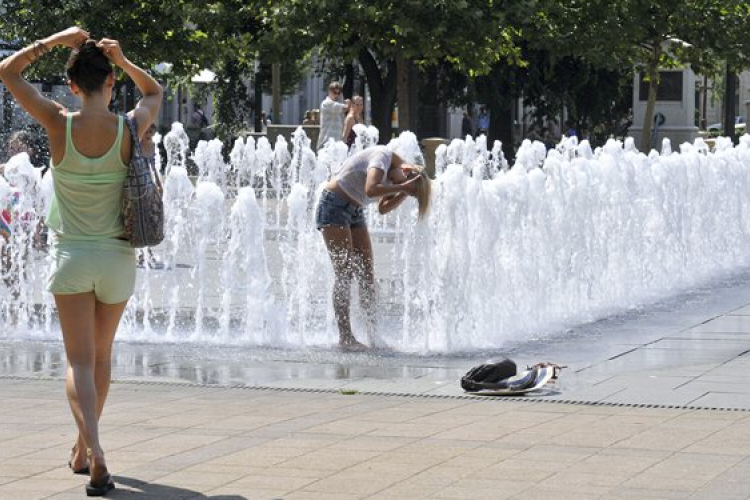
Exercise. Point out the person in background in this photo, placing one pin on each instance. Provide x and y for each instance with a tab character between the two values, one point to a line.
93	267
199	119
265	121
20	221
374	174
554	129
534	133
20	141
466	127
571	131
332	115
353	117
9	199
308	119
483	122
316	116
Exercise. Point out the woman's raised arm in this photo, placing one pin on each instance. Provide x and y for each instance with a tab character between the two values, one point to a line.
43	110
147	109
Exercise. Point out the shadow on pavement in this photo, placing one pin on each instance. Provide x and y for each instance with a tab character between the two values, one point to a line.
151	490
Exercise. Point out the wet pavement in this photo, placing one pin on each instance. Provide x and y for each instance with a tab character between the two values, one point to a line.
631	417
688	351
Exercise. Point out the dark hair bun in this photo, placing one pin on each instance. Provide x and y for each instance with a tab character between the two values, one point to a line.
88	67
89	51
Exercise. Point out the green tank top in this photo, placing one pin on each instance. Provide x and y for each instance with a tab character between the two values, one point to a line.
87	201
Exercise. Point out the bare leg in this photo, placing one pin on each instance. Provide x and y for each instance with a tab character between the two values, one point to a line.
339	242
77	320
365	273
106	320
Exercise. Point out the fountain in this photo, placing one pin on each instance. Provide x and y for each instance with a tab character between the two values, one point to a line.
566	236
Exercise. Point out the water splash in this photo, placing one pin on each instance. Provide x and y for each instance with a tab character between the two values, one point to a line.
563	237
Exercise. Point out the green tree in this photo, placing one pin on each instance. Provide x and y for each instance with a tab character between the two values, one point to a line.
383	34
224	36
238	40
150	32
654	34
728	48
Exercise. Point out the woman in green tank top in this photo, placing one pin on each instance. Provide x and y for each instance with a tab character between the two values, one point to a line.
94	268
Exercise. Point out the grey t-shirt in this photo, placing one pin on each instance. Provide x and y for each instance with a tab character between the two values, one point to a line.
331	121
353	174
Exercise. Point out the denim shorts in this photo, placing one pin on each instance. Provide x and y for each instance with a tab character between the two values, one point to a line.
335	210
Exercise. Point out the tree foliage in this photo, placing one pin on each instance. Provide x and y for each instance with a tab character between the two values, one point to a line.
187	35
654	34
552	52
150	32
467	34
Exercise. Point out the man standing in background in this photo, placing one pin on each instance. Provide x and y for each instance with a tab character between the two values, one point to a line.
332	115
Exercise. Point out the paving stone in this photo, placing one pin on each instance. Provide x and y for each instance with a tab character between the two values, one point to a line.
171	440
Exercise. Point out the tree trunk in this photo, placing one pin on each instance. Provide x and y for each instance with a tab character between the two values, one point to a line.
704	100
362	91
382	92
348	89
652	71
258	102
407	95
501	127
276	92
431	119
730	91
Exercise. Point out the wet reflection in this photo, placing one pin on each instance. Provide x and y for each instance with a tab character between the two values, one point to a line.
210	365
659	337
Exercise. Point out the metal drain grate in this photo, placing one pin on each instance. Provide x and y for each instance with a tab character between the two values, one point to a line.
522	399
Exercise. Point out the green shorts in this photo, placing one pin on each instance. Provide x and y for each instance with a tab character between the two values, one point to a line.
105	267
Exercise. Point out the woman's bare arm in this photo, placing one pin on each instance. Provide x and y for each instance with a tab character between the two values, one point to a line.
374	187
391	202
43	110
147	109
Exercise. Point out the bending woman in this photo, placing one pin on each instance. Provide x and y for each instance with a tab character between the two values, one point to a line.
375	174
94	267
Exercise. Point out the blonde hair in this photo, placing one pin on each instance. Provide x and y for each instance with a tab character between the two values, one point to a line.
424	192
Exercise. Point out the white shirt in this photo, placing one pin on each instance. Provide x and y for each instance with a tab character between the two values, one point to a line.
331	121
353	174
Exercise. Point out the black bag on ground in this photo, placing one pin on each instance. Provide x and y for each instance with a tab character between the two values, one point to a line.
487	375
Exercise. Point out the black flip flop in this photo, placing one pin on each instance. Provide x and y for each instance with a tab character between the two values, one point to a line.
99	491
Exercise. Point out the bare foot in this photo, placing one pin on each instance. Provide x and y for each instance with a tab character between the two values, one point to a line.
98	466
350	344
78	462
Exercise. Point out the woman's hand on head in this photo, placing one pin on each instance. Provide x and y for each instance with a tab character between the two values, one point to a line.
112	50
410	170
409	186
72	37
